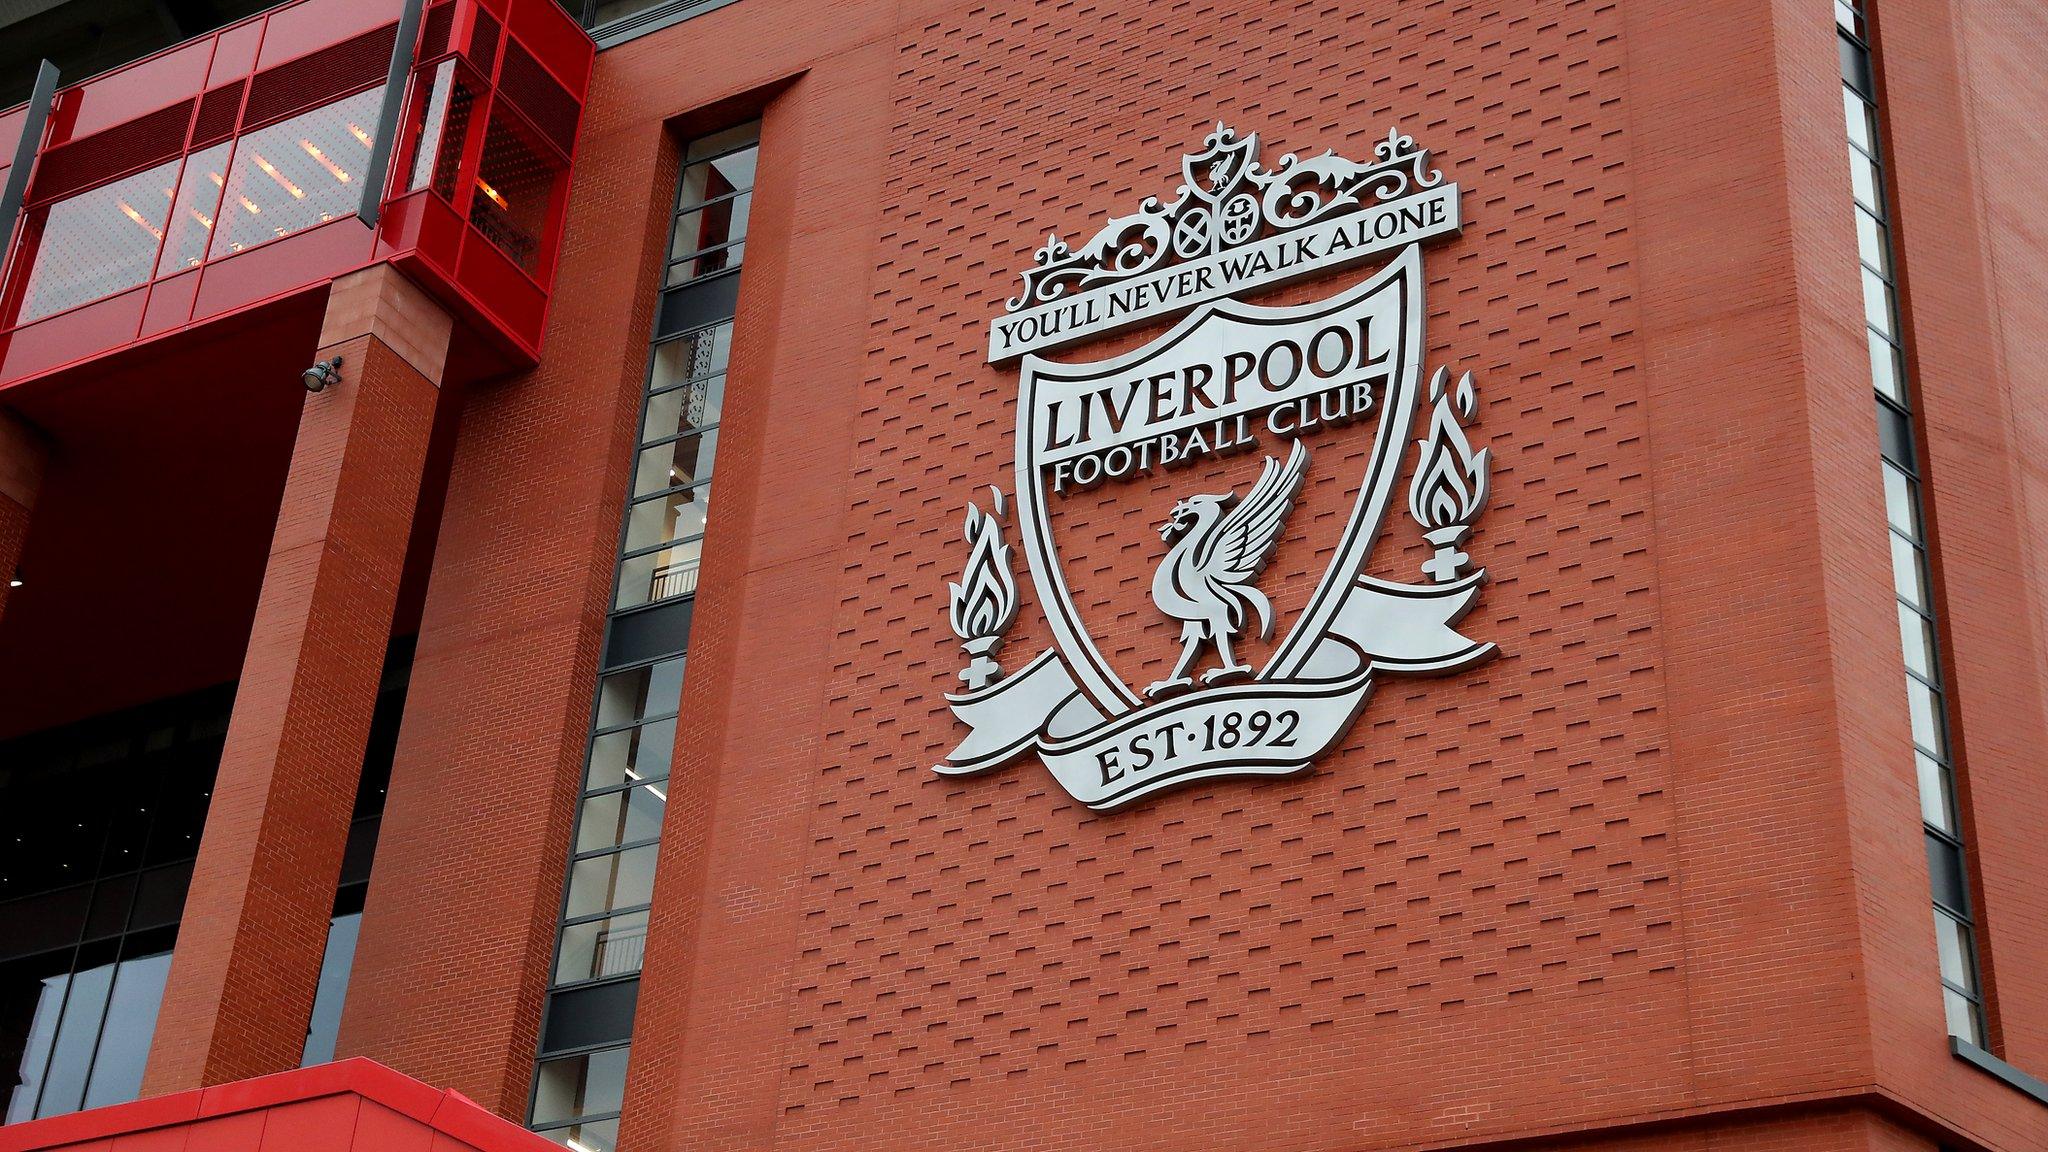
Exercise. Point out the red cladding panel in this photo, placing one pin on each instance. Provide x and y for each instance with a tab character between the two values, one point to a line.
316	24
69	336
144	86
300	261
347	1106
170	303
235	54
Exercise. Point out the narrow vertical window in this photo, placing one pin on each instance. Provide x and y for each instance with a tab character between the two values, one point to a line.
586	1035
1912	581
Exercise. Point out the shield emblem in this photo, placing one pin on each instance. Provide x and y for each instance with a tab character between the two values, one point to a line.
1367	336
1257	689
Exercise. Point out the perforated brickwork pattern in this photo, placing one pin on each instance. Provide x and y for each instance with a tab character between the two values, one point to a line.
1504	833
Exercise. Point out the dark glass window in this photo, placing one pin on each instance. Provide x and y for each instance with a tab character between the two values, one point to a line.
585	1041
99	824
339	958
1912	578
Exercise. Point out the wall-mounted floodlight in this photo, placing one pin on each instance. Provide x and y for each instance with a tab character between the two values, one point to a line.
321	374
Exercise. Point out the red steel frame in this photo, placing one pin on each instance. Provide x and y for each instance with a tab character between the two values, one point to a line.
429	238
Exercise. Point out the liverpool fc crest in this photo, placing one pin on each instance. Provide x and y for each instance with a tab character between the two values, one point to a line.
1288	383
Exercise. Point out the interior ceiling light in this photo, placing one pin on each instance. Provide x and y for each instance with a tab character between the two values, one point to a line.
270	170
333	169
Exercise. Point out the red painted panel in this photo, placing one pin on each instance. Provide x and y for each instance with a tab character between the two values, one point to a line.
555	40
235	55
170	303
100	1123
10	133
74	335
148	84
347	1106
301	260
499	286
238	1133
155	1140
315	24
324	1125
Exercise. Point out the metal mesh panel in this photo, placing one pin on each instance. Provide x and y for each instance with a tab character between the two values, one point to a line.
483	46
141	142
217	112
317	77
546	103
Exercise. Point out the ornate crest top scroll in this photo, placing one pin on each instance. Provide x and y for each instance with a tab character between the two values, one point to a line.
1288	385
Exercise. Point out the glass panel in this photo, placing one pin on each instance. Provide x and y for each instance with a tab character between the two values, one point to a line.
1861	131
620	880
298	173
583	1085
726	141
633	754
705	263
598	1135
42	1035
1894	434
437	149
191	224
660	574
1871	244
1898	501
694	405
616	818
1962	1016
1934	803
699	354
96	243
665	518
1924	707
1877	303
335	965
1887	369
131	1022
77	1033
711	226
1952	941
1863	182
596	949
1906	574
514	184
684	460
624	697
708	180
1916	636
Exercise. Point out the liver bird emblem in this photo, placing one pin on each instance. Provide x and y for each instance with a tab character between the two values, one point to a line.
1220	545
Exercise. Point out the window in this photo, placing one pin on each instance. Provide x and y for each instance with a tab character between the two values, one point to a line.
353	888
99	824
1912	581
579	1082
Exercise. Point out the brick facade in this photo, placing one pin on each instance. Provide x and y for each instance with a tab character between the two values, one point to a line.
249	948
1651	879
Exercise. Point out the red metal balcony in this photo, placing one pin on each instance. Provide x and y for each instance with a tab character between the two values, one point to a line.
227	174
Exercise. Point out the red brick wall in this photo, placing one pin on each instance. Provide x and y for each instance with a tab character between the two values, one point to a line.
1659	860
249	950
490	753
1962	96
